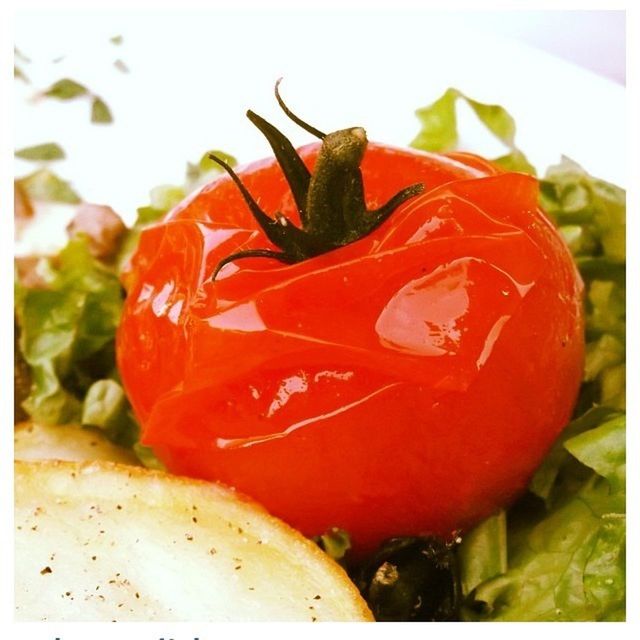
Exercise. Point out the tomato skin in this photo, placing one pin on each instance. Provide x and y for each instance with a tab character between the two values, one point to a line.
405	384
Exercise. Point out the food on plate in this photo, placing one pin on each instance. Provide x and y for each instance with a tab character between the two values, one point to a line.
33	441
357	336
220	297
102	541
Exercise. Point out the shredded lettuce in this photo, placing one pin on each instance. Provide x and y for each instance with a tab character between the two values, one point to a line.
570	563
67	332
67	337
439	130
560	552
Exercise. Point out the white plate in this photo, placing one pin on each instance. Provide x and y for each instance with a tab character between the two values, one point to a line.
192	77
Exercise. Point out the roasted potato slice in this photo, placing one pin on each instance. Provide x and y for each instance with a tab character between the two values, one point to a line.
41	442
101	541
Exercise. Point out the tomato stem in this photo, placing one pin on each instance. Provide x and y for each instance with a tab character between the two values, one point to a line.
330	201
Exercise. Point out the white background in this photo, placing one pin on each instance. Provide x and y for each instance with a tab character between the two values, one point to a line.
194	74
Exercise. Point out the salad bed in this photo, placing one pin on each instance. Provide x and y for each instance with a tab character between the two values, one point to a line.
556	554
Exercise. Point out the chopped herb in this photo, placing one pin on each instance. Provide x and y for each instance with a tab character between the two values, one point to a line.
66	89
45	152
45	186
100	113
19	74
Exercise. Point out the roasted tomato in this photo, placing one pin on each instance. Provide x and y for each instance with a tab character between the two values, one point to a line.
393	365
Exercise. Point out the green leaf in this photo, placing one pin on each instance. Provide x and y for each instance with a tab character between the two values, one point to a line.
45	186
608	351
543	481
100	113
572	196
68	332
198	174
19	74
496	119
103	403
148	215
483	552
439	130
516	161
46	152
207	165
116	40
165	197
335	543
66	89
147	457
603	450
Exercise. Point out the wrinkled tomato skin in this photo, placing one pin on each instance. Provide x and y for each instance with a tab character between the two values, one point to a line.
406	384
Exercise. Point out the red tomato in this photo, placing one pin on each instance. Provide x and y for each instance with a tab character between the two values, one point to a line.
407	383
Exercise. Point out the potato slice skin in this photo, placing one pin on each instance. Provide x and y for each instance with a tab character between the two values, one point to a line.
99	541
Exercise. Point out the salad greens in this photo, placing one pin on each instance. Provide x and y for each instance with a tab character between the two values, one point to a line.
557	554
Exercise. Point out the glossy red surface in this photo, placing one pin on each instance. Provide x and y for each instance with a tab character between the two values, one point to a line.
407	383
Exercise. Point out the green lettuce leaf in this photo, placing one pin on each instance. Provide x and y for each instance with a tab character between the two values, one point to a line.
67	338
67	332
570	564
439	128
483	552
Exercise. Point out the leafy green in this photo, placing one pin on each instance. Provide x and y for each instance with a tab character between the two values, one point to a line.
439	128
66	89
544	480
205	169
106	406
570	564
100	112
572	196
117	40
67	332
19	74
45	186
483	552
67	337
335	542
439	124
45	152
